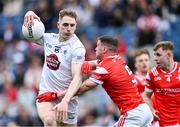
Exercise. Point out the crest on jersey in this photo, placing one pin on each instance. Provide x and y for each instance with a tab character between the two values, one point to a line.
168	78
57	49
52	62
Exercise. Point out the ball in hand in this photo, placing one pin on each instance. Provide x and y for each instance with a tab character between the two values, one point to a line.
33	31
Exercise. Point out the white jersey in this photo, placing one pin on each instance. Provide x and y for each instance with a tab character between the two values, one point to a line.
56	74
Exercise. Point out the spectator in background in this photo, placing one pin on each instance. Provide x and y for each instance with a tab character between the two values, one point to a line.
12	7
43	9
164	82
147	25
26	93
1	6
33	74
23	118
102	14
8	32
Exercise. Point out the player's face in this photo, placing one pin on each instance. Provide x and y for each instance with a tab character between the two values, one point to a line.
142	63
161	58
67	26
99	50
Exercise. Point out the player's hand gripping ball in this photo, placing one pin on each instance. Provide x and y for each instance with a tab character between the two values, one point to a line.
33	31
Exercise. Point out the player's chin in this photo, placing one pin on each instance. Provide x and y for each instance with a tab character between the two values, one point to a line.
97	56
145	70
68	34
159	65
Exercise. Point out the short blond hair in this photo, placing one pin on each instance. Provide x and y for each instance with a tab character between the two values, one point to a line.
67	12
140	52
165	45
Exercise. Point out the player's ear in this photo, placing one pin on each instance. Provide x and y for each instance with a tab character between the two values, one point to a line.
135	64
58	24
105	49
169	53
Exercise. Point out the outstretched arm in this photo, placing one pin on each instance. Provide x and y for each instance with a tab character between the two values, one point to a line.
51	96
75	83
62	107
88	66
147	98
87	85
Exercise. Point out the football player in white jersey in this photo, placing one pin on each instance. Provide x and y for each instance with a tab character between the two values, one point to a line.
64	54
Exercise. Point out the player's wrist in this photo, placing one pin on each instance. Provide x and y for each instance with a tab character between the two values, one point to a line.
60	95
65	100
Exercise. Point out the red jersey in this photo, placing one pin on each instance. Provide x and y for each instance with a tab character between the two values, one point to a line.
117	79
166	88
141	82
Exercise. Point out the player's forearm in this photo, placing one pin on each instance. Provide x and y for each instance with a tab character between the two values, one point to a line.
73	88
83	88
87	85
147	99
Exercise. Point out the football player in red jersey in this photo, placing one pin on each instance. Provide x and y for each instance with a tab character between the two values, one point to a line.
118	81
142	65
164	81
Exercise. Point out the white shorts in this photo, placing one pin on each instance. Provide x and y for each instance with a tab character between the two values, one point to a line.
140	116
72	114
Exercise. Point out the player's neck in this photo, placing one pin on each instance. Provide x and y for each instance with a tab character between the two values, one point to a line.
63	39
142	73
107	54
111	53
170	65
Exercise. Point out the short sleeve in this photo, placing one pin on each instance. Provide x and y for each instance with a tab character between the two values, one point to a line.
78	55
41	41
99	75
150	85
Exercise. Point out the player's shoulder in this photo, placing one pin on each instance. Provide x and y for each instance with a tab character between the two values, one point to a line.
154	71
109	61
178	64
51	35
136	75
75	42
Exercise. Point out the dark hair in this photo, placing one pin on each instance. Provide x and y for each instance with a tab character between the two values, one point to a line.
110	42
165	45
67	12
140	52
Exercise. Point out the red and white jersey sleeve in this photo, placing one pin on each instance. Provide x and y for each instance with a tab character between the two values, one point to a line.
166	88
117	79
150	85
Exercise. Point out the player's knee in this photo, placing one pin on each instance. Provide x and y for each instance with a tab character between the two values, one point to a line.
49	121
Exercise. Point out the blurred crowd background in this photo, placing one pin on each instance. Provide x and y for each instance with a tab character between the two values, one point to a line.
136	23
